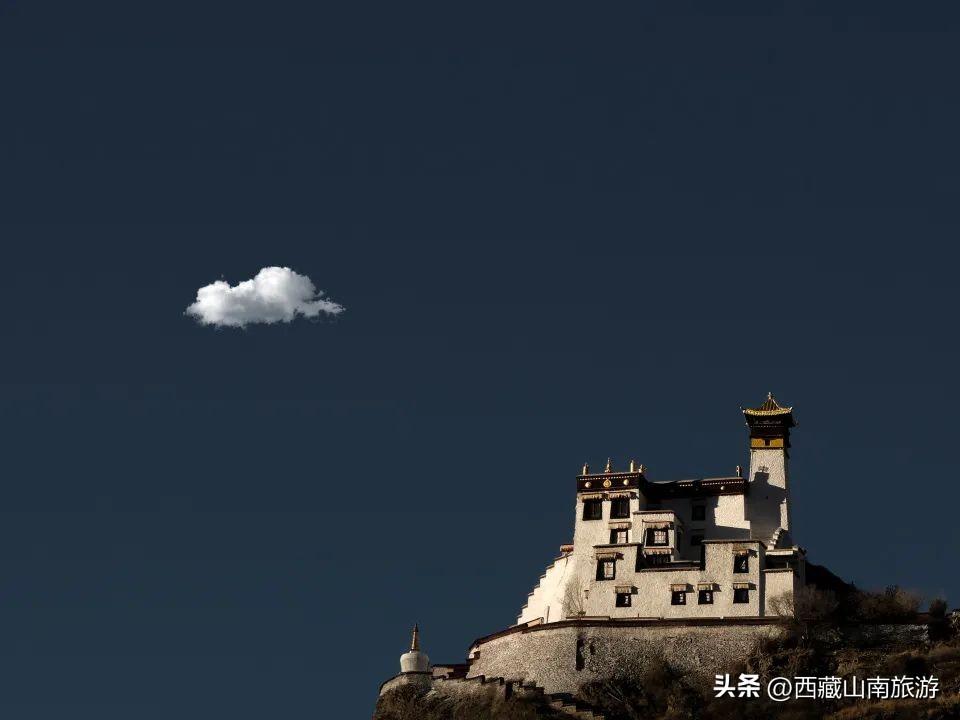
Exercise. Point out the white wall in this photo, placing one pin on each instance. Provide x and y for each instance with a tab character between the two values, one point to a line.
575	575
768	506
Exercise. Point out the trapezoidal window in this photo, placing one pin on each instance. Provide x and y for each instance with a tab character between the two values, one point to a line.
741	595
741	563
623	599
657	536
618	537
606	569
593	509
678	597
705	597
699	513
620	508
654	560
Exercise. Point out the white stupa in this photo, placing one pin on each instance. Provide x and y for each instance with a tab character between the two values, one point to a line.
414	661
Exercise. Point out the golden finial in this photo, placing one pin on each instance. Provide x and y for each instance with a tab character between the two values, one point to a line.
642	468
739	471
586	469
415	642
633	466
608	467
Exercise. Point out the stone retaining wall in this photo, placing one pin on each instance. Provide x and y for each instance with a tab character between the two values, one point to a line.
560	657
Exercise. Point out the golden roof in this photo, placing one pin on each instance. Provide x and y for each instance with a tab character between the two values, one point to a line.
770	407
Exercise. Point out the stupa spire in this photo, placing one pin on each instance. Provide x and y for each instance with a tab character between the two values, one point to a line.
415	660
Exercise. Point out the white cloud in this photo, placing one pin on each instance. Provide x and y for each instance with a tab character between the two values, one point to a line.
276	294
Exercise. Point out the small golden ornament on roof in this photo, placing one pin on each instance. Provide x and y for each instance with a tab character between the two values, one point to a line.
608	467
586	469
415	642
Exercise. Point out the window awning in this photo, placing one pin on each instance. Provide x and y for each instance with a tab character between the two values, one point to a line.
741	586
591	496
619	494
609	555
621	525
624	588
680	587
658	552
706	586
657	525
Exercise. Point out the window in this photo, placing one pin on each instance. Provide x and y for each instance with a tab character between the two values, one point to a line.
741	595
620	508
657	559
606	570
699	513
696	540
741	563
705	597
618	537
623	599
678	597
593	509
656	537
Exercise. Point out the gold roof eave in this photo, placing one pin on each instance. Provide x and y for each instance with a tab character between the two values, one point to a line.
778	411
770	406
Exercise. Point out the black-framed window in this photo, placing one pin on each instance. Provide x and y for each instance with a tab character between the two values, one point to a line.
696	540
657	536
678	597
705	597
624	599
606	569
741	595
593	509
699	513
657	559
619	537
620	508
741	563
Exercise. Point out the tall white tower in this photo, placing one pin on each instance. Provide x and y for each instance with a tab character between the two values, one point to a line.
768	497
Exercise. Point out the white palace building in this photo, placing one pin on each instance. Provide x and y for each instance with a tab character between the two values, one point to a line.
694	571
711	547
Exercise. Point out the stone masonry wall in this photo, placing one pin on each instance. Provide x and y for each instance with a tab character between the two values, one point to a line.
561	657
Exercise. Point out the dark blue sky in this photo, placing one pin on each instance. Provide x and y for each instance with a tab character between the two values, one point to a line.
560	234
